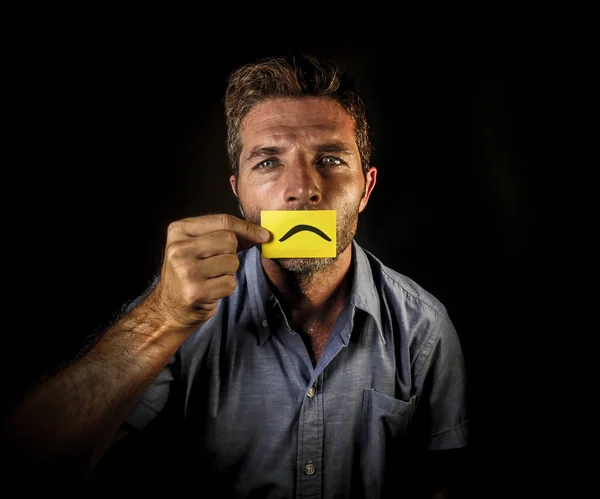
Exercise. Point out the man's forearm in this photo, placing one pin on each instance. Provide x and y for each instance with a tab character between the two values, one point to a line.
70	419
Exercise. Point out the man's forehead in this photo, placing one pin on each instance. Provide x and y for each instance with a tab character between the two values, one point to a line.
308	119
318	112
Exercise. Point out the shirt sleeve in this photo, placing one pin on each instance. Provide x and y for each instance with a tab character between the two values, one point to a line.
154	399
442	379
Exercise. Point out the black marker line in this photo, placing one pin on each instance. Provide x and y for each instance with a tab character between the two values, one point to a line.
300	228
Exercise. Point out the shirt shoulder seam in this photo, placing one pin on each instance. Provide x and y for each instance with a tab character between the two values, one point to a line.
441	312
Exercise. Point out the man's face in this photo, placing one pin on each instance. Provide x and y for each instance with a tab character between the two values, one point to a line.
301	154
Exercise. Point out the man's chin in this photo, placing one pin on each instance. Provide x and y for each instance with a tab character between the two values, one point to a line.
303	265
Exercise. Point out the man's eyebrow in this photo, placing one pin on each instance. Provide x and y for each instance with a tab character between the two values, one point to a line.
259	152
329	147
334	147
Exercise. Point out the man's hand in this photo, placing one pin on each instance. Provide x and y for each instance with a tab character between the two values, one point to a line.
199	267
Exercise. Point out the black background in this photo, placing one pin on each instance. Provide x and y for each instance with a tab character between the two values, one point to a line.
116	134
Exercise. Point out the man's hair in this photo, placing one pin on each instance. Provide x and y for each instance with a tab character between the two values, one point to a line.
292	77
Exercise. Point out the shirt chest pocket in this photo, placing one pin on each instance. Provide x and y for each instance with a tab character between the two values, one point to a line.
385	423
383	415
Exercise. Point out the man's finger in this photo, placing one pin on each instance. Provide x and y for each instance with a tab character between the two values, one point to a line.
219	265
247	232
214	243
219	287
198	226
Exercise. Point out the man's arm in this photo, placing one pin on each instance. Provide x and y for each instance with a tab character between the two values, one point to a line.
68	421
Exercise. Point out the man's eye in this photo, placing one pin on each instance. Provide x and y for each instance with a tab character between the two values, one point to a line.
266	164
330	161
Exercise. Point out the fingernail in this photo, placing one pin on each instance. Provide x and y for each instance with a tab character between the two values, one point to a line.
264	235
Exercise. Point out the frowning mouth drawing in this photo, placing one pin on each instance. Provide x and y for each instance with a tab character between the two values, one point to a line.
303	227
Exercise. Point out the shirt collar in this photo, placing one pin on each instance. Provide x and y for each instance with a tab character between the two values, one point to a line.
364	295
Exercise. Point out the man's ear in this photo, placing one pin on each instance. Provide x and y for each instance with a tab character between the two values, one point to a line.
233	182
370	180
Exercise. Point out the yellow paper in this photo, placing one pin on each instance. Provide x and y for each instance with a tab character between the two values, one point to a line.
300	233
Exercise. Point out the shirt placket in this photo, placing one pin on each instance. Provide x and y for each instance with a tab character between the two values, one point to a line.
310	443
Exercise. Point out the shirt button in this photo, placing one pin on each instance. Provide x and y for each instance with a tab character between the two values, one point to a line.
311	391
265	323
309	469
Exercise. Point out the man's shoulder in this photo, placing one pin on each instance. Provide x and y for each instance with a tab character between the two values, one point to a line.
398	287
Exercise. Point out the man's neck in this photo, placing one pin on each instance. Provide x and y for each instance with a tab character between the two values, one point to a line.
315	295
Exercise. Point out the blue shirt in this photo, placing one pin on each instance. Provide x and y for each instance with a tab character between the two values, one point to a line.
261	421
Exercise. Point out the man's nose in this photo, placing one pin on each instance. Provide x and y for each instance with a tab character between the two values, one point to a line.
302	185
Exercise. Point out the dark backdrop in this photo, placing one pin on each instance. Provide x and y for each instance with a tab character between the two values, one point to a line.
116	137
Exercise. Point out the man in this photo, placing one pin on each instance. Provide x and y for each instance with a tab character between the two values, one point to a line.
292	377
